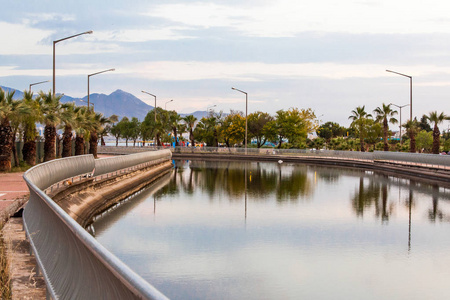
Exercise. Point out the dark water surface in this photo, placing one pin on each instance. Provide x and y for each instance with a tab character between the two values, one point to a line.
295	232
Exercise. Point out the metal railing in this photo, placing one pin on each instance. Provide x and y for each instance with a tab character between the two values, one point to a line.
412	159
75	265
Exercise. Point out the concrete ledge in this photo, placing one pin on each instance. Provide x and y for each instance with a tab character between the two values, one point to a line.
88	198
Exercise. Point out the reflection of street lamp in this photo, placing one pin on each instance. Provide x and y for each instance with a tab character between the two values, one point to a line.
246	125
37	83
93	108
60	40
400	106
410	92
96	74
165	105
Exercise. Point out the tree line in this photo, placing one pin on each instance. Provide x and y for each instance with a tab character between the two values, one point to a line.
286	129
18	118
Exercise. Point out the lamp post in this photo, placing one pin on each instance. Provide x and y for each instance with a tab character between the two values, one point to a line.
410	92
37	83
165	105
89	76
155	101
54	44
246	123
400	106
208	108
93	108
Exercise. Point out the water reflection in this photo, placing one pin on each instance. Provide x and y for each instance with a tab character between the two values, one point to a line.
269	231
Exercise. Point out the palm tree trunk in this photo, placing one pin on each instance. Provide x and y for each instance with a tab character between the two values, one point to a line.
175	134
29	145
436	140
79	145
93	143
158	140
67	141
49	143
14	150
412	142
191	137
6	137
385	127
361	143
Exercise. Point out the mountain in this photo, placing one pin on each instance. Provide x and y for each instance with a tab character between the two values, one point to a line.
119	103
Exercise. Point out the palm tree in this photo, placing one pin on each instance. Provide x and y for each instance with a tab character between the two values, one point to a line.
107	128
436	119
83	120
412	127
6	132
98	125
51	111
385	115
29	126
68	118
359	119
190	124
174	120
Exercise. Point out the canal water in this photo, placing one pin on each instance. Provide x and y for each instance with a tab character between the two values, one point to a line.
237	230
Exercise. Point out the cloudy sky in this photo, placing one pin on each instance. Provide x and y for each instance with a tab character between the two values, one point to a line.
327	55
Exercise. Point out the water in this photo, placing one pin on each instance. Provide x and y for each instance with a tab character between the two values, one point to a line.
296	232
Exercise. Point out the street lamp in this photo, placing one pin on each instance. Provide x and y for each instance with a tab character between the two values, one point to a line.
410	92
400	106
155	101
37	83
246	106
208	108
93	108
89	76
165	105
54	44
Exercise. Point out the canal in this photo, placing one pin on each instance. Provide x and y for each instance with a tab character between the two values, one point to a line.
237	230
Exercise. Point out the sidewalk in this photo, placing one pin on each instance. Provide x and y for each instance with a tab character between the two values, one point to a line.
13	193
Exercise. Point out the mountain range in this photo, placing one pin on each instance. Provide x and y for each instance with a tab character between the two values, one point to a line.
118	102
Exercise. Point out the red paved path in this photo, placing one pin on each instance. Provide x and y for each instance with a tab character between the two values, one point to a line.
12	187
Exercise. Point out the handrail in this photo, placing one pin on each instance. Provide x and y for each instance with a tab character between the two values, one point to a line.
74	264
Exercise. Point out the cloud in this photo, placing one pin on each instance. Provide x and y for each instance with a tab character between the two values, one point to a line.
285	18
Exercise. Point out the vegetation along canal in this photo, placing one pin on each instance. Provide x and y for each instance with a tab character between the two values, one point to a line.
237	230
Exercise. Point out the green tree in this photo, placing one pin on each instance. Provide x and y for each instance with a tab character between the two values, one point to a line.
412	128
385	115
232	128
207	130
29	127
68	119
258	127
176	126
51	111
424	125
135	129
359	118
107	128
294	125
424	141
6	132
190	124
436	118
330	130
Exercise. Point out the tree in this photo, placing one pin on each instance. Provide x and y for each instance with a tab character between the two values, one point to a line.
374	132
106	129
29	126
51	111
385	115
207	130
412	127
258	127
135	129
359	120
6	132
97	125
330	130
68	119
174	122
190	124
424	125
424	141
232	128
436	118
83	123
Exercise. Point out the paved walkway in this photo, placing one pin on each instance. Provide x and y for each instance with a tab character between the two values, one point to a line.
25	283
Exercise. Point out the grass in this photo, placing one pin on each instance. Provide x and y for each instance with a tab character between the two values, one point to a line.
5	281
22	167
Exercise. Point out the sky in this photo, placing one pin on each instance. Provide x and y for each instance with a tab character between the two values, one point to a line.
330	56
